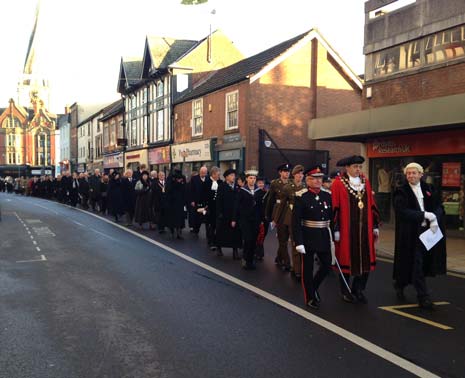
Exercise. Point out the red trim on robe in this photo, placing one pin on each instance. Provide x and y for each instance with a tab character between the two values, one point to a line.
341	209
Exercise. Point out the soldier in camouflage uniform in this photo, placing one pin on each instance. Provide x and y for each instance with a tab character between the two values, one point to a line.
275	215
286	206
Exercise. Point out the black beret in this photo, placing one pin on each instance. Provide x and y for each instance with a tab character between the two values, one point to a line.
229	171
354	159
284	167
334	174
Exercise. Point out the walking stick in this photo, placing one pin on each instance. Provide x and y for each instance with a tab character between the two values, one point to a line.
342	275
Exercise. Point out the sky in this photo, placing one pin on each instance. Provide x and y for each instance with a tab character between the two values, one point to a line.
82	41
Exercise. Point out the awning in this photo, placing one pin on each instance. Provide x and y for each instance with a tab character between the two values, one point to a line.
441	113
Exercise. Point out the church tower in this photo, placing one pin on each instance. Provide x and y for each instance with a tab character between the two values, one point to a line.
33	83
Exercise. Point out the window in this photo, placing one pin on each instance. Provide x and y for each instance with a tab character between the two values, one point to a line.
232	110
11	140
197	117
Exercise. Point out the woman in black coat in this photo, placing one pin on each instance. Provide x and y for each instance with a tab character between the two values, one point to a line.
115	196
176	203
226	235
143	211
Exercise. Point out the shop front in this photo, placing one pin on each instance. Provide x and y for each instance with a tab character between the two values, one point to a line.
231	153
189	157
113	161
442	154
160	159
81	168
134	159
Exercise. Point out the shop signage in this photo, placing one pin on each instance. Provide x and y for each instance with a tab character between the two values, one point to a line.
113	161
451	174
229	155
160	155
189	152
438	143
139	156
231	138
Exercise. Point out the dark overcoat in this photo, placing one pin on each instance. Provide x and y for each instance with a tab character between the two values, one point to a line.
159	202
143	211
226	236
248	212
409	218
129	194
177	201
115	197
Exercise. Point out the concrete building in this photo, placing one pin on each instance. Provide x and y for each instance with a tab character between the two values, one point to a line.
256	112
413	100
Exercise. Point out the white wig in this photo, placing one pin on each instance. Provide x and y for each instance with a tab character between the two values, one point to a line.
417	166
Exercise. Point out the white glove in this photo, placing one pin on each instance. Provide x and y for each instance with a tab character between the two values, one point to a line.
300	249
434	226
376	233
333	253
337	236
430	216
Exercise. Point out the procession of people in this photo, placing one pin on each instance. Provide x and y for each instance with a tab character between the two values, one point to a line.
332	220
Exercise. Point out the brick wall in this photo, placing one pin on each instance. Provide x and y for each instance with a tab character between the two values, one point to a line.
438	82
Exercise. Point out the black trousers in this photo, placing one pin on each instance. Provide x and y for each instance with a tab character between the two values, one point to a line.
418	275
311	282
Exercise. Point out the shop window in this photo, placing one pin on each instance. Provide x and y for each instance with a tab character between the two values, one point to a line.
232	110
197	117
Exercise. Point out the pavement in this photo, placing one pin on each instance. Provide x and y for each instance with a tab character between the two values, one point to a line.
455	249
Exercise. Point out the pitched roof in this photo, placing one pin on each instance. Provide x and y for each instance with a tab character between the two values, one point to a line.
132	69
112	109
241	70
165	51
256	65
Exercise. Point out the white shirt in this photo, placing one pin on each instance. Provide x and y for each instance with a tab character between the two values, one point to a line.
214	185
419	194
356	183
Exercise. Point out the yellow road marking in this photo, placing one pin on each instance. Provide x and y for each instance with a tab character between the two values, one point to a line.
395	310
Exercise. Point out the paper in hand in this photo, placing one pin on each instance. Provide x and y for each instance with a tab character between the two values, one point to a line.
430	238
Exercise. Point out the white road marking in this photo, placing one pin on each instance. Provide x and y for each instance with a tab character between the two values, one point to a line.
32	237
38	249
353	338
97	232
42	258
46	208
34	242
79	224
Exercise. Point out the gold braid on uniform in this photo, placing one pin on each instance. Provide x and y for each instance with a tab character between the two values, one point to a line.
357	194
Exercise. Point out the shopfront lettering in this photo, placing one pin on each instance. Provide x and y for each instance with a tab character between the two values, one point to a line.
390	147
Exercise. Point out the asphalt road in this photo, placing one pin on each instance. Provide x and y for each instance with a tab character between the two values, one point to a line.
82	297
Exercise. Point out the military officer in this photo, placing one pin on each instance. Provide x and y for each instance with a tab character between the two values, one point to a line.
275	214
286	206
312	233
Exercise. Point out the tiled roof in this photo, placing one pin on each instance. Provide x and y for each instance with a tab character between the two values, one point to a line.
132	70
165	51
241	70
112	109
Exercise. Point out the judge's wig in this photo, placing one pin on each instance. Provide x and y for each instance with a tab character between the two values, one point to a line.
417	166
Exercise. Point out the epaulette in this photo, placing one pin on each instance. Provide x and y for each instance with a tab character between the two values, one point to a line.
301	192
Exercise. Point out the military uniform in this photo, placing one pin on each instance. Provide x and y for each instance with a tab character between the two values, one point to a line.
312	229
286	207
275	213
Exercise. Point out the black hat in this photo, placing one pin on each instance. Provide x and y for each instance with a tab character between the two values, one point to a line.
314	171
284	167
354	159
228	172
177	174
326	178
144	173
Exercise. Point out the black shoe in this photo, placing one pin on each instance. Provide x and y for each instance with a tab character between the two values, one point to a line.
313	303
349	298
285	268
426	304
249	266
161	231
212	248
219	252
317	297
235	254
297	277
361	297
277	261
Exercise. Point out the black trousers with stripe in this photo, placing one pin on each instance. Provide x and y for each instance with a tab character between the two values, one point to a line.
311	281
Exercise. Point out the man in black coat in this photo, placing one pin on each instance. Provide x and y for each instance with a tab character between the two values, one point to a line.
94	189
199	192
211	209
129	196
84	190
418	207
227	235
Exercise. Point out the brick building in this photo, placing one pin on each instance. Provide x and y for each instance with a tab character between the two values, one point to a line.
256	112
27	139
413	100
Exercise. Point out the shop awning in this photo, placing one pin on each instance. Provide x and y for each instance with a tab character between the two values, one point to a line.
441	113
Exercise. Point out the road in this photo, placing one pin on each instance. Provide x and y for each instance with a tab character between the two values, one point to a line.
83	297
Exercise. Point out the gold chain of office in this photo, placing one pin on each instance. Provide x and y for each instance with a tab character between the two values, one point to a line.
357	194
